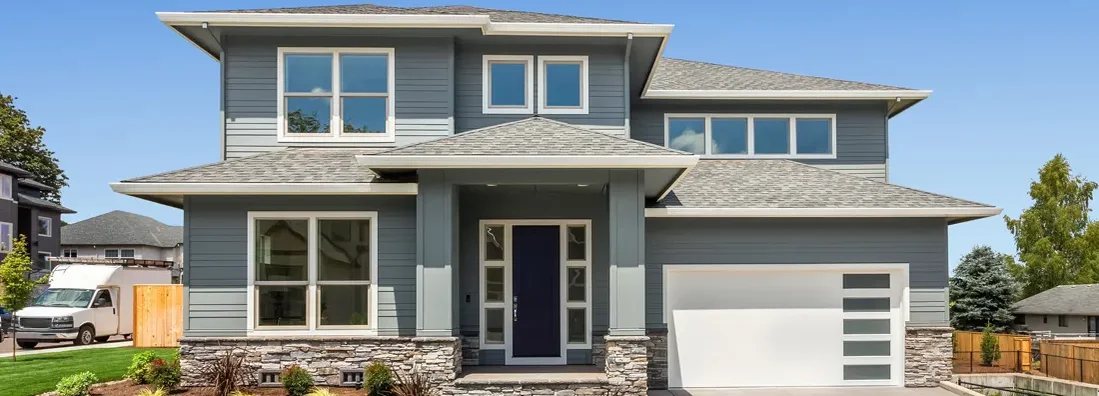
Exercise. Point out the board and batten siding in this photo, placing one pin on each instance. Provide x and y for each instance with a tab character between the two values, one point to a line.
606	64
861	128
217	250
921	243
424	89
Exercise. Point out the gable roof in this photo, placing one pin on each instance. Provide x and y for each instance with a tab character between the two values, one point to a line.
680	74
1062	300
532	136
494	15
121	228
772	188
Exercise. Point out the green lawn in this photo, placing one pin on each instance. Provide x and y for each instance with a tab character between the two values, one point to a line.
34	374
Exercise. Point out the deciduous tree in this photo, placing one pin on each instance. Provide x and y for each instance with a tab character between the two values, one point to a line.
16	287
21	145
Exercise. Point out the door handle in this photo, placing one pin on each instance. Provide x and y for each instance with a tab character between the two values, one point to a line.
515	308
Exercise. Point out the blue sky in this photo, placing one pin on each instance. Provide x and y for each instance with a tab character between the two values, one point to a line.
121	95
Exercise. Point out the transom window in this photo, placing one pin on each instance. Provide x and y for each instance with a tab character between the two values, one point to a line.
563	84
313	272
748	135
508	84
343	94
45	226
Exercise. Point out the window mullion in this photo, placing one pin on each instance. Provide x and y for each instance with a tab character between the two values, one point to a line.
312	298
337	103
707	135
793	136
751	136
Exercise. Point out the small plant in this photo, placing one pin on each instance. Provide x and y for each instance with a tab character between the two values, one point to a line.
378	379
321	392
76	384
990	346
153	392
227	372
164	374
415	384
296	380
139	365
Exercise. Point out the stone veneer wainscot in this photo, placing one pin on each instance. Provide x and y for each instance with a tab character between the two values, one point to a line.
928	356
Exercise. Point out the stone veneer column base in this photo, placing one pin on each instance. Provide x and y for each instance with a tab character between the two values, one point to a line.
324	357
658	358
627	364
928	356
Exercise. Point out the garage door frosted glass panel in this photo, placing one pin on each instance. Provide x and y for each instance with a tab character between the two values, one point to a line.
866	372
866	326
866	305
865	348
866	281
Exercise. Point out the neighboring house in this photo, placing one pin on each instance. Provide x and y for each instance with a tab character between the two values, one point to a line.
489	187
123	235
23	211
1067	310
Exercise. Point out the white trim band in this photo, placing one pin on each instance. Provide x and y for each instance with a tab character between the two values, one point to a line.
527	161
823	212
265	188
787	94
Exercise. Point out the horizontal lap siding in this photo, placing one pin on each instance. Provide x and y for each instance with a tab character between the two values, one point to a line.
922	243
606	88
423	88
217	263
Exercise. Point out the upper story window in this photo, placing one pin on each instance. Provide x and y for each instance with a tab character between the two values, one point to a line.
507	84
753	135
563	84
45	226
336	94
6	187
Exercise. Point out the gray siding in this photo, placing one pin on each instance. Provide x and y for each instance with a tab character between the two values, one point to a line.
861	128
922	243
216	243
607	109
424	83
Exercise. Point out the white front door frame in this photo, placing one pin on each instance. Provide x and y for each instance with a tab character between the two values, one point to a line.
508	306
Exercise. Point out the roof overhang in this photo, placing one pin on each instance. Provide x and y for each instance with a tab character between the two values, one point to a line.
172	194
527	161
953	215
788	94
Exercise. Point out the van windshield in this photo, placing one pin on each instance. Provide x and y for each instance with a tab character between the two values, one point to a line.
70	298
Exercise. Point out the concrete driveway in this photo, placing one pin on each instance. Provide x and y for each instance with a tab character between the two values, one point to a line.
869	391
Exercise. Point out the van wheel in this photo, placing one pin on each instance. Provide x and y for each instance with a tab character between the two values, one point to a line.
85	336
27	344
102	339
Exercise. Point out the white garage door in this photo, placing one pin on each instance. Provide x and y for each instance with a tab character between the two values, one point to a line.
785	325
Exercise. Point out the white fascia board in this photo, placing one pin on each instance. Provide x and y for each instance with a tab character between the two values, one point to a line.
527	161
962	212
578	29
788	94
265	188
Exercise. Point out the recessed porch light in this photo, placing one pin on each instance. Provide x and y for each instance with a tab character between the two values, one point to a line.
491	185
581	185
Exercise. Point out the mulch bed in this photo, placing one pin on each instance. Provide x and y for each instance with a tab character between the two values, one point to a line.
129	389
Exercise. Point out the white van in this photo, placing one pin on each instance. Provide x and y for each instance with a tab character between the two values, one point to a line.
85	303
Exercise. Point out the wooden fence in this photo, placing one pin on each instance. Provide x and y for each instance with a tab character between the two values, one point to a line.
1014	353
158	315
1071	359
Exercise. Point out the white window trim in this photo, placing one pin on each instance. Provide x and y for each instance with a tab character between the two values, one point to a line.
49	226
11	187
65	253
7	240
486	85
542	86
793	138
508	296
312	302
335	132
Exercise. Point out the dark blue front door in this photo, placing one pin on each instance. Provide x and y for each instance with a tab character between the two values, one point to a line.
536	272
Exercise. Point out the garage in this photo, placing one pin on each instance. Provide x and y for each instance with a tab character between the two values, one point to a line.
785	325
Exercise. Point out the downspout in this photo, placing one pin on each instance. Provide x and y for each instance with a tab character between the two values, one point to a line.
626	82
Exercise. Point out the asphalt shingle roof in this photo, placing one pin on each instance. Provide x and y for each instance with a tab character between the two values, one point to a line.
533	136
1063	300
494	14
679	74
28	200
756	183
121	228
292	165
12	169
35	184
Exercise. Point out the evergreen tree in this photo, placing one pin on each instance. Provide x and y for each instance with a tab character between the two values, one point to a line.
990	346
982	291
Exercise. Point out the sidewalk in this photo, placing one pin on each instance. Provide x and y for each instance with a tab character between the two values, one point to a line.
7	345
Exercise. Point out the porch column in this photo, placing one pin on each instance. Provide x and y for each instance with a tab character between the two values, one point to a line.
437	255
627	255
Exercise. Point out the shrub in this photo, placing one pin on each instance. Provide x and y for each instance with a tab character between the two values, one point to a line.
139	365
76	384
296	380
378	380
226	373
163	374
415	384
153	392
990	346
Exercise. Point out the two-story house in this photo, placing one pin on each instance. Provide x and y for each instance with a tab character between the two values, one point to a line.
123	235
455	188
23	212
